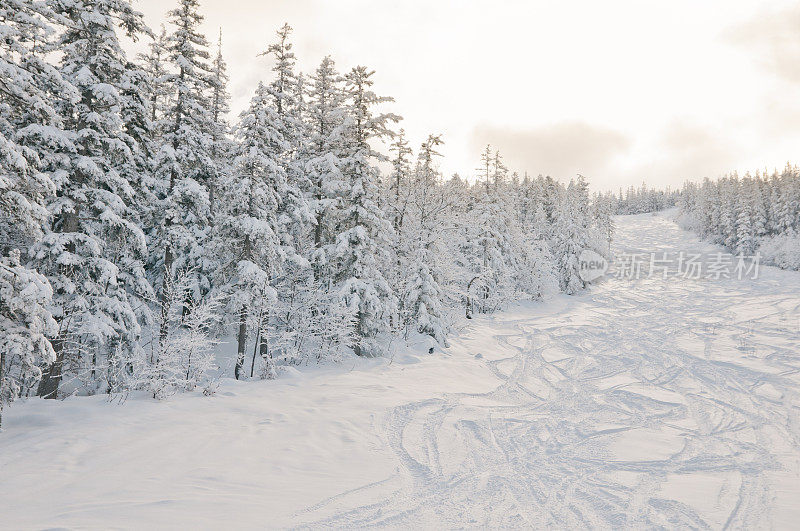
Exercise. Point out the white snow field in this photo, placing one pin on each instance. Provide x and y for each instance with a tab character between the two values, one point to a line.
642	403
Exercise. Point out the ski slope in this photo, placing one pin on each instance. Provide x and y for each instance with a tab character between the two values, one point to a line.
653	402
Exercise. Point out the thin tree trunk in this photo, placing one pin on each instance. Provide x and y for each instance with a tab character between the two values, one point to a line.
257	346
2	364
318	231
263	347
241	340
166	298
255	351
51	377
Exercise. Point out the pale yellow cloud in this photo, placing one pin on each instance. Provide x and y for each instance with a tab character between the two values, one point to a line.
560	150
594	87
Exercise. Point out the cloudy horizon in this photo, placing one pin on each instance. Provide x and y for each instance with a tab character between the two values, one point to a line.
622	92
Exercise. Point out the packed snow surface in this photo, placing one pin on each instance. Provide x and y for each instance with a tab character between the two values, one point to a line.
654	402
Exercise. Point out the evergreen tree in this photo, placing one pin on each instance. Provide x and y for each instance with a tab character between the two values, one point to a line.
185	164
95	250
363	233
325	150
247	232
220	145
569	240
294	213
32	135
154	63
32	141
421	251
399	189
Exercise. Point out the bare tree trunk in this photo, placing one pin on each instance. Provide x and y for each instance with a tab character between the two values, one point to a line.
318	231
2	364
255	351
51	377
166	298
241	340
263	346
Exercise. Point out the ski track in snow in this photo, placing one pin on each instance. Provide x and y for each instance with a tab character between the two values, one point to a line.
642	403
608	415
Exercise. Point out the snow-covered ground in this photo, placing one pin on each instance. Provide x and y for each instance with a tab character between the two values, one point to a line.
651	402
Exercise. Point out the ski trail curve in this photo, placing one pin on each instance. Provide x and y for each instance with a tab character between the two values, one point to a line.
647	403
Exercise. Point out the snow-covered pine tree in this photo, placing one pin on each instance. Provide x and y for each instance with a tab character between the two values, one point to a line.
285	327
745	235
32	139
421	251
326	116
760	213
286	100
363	234
185	163
488	245
789	201
246	235
95	239
569	239
484	170
32	135
398	189
603	207
499	170
154	63
221	146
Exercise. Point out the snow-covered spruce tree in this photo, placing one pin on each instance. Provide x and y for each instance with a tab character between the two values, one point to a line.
363	233
31	129
399	182
422	302
778	212
484	170
789	213
286	100
419	248
95	249
246	234
535	276
745	226
284	328
396	193
569	240
492	232
154	63
603	208
139	131
185	162
221	146
760	201
32	139
326	115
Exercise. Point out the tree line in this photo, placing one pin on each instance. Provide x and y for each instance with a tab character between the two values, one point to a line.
748	214
139	227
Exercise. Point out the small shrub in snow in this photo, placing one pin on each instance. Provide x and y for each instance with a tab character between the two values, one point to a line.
182	357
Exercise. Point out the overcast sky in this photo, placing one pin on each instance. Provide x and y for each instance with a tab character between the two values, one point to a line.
619	91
